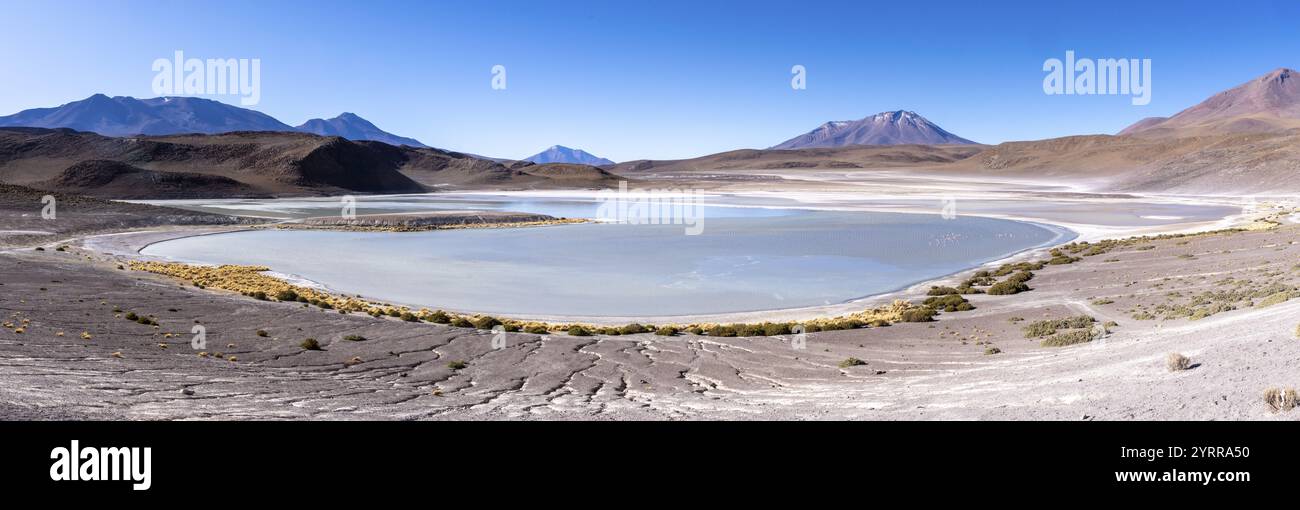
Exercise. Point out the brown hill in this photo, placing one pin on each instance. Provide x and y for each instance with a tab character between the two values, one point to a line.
1242	140
579	174
246	164
114	179
1205	164
818	158
1268	103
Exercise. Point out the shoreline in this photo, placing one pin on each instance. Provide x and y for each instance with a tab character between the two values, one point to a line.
1066	232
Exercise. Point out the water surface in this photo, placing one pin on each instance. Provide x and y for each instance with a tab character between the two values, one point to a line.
746	259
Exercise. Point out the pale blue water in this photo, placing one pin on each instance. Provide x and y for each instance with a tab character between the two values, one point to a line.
746	259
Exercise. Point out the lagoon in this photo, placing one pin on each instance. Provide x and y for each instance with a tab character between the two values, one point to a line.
745	259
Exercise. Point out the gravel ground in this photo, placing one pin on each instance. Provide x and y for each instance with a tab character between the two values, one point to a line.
405	370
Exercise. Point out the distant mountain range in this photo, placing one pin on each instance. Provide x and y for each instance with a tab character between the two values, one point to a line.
562	154
1242	140
886	128
128	116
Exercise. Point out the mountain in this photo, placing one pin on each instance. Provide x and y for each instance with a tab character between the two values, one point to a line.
562	154
1268	103
886	128
128	116
254	164
353	127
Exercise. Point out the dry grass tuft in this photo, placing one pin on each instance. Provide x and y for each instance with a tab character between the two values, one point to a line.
1280	400
851	362
1177	362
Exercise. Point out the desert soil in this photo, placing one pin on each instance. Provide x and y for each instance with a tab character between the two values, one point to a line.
401	370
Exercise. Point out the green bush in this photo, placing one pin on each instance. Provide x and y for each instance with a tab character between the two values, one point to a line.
941	291
1062	260
1007	269
576	330
923	314
1006	288
131	316
1043	328
851	362
262	333
1021	277
439	317
409	317
666	331
486	322
456	364
536	329
948	303
776	328
355	338
310	344
462	322
1077	336
842	324
722	331
286	295
633	329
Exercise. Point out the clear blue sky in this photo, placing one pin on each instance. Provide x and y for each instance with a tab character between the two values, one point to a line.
651	79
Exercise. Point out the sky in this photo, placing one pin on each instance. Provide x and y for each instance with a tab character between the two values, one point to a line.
660	79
